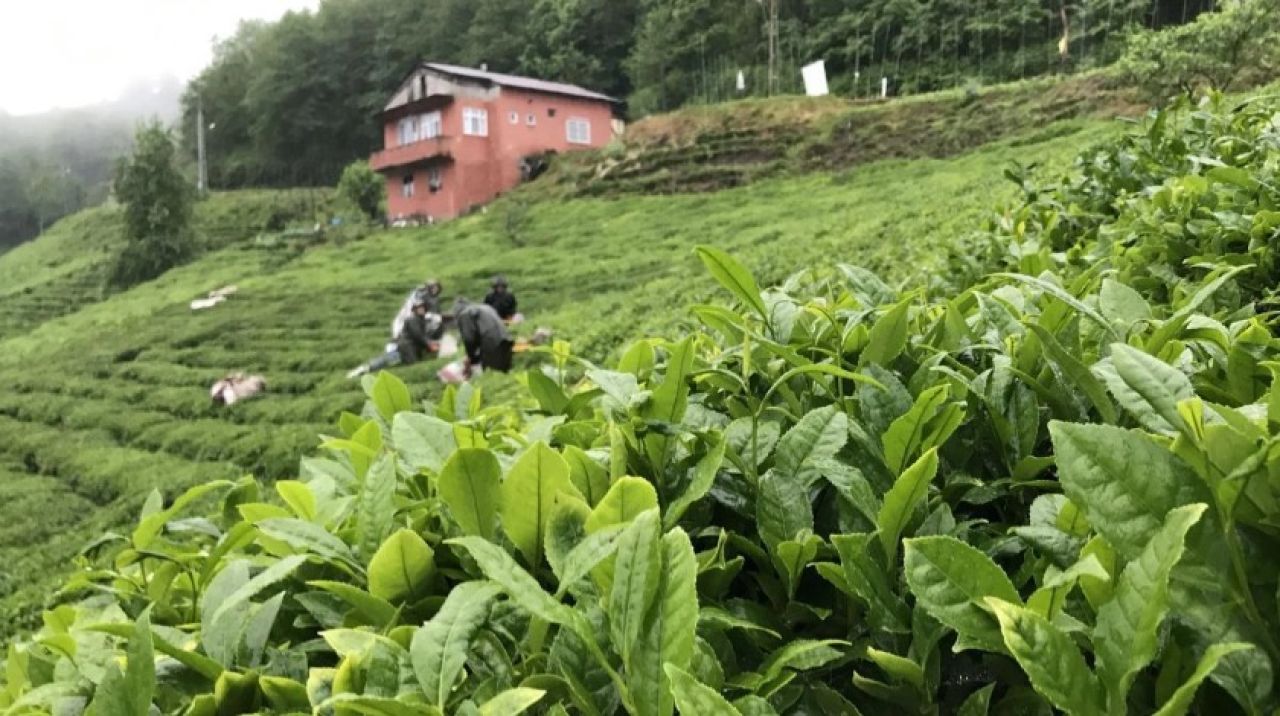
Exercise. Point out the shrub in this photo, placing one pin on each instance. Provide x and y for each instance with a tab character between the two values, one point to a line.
362	187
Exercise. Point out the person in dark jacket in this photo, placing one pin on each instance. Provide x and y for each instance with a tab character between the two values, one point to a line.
501	299
416	342
484	336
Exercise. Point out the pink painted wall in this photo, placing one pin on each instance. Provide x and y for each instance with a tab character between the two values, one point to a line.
481	168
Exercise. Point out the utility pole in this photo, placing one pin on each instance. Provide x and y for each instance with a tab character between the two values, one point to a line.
202	160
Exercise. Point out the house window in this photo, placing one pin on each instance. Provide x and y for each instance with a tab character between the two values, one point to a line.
531	120
514	117
578	131
551	111
407	132
406	186
430	125
434	179
475	122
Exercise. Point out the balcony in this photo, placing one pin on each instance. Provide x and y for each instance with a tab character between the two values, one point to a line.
418	152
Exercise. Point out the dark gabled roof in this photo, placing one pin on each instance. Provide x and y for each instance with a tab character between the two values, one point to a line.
528	83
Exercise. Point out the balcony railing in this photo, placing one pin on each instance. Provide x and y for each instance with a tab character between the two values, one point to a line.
414	153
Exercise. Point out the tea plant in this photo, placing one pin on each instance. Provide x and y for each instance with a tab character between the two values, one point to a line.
839	498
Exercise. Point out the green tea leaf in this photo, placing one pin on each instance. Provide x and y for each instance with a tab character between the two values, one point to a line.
870	583
1050	658
528	495
1148	388
1122	304
888	335
470	484
692	697
782	508
375	611
668	632
593	549
636	580
523	589
978	703
818	435
423	442
906	434
390	396
733	276
308	538
1180	702
511	702
950	579
801	655
401	567
590	477
901	501
1127	631
1079	374
1123	481
702	478
129	693
439	649
375	507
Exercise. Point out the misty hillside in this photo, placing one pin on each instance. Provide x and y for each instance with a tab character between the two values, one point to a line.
55	163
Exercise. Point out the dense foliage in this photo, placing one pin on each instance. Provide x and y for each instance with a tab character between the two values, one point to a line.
292	101
1052	489
157	209
1213	52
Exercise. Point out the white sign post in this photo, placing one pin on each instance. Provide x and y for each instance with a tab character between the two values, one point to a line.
884	87
815	79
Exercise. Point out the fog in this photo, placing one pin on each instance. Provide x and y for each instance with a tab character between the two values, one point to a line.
77	53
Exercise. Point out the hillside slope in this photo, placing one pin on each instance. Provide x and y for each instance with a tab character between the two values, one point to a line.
109	399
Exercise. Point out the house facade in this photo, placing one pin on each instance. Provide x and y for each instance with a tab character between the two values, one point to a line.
455	137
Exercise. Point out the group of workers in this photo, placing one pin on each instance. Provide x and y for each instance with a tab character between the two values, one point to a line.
418	330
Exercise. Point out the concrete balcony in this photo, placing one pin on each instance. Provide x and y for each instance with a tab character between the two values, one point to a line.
418	152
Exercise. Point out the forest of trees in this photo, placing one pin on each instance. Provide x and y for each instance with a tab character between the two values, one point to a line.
292	102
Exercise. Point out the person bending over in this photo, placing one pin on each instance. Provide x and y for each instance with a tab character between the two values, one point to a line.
484	336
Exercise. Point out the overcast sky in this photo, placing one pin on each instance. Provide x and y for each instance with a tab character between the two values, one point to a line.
68	53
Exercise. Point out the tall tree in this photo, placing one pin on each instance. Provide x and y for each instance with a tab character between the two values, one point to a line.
157	203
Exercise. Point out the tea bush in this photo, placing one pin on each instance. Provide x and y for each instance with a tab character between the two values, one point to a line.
1046	490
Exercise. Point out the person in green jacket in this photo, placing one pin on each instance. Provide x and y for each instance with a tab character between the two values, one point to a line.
484	336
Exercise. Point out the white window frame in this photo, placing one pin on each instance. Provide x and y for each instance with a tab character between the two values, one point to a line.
580	123
531	120
430	126
408	186
514	117
435	179
475	122
407	130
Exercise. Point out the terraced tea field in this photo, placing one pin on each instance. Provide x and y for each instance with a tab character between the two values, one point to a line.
104	400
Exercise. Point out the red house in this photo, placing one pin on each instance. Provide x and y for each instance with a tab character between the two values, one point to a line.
456	137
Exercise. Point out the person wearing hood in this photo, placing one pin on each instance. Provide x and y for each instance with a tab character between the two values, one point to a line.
501	299
429	294
484	336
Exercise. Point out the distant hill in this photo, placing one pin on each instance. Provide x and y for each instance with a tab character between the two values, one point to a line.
55	163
